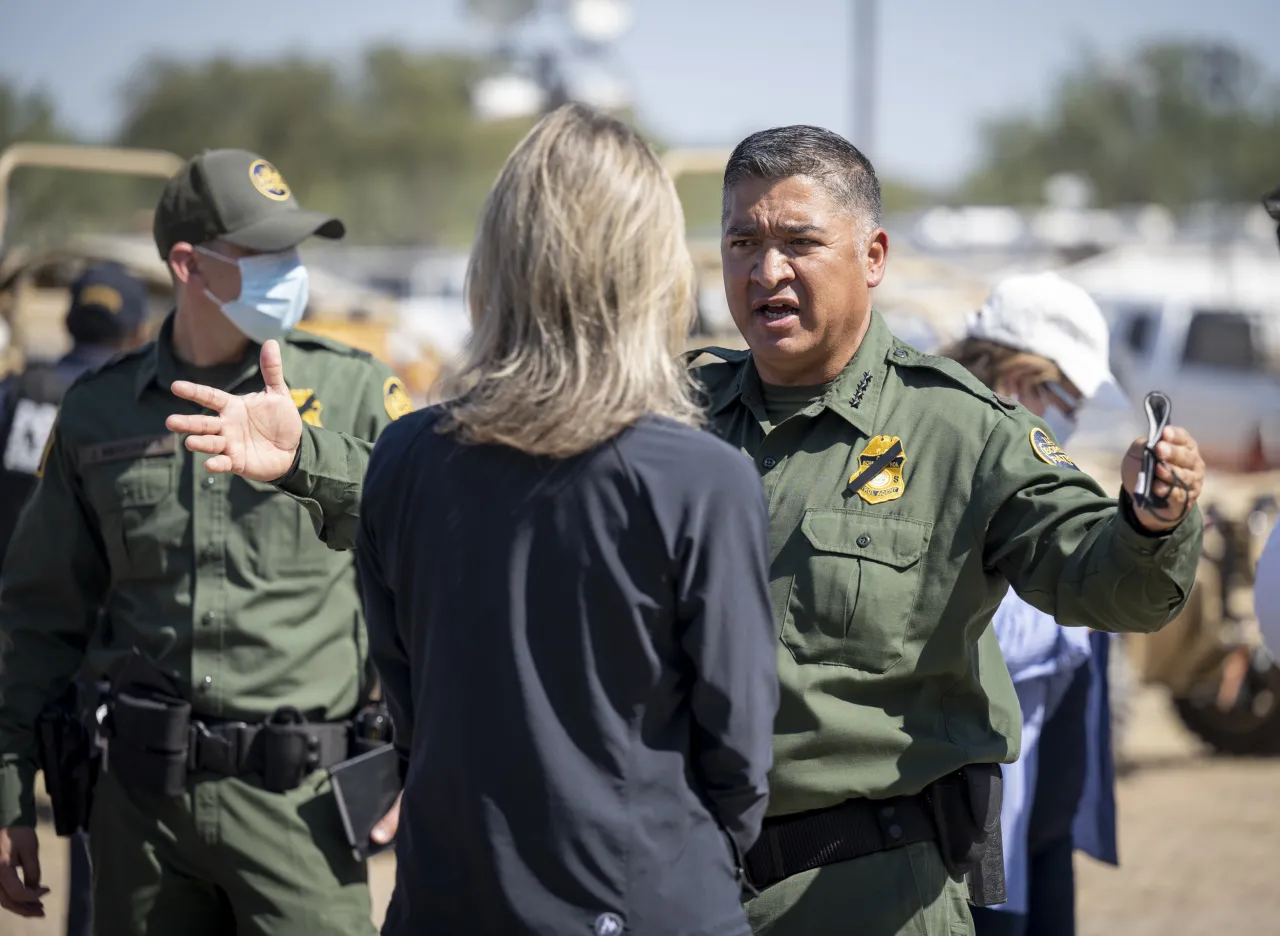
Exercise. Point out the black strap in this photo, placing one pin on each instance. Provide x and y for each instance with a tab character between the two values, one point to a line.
873	469
804	841
234	748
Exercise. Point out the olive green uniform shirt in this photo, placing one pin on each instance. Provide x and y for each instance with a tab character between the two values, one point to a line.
220	581
891	677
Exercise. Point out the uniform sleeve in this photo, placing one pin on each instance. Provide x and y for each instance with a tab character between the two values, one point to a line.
328	476
386	646
1069	550
723	600
55	577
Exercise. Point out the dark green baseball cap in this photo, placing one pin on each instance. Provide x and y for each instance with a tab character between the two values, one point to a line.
238	197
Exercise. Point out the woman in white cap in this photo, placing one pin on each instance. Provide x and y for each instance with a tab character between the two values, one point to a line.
1044	342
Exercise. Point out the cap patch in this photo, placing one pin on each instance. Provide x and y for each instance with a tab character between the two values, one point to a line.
396	398
1048	451
267	180
99	295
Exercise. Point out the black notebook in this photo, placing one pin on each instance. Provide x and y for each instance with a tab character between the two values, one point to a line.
365	788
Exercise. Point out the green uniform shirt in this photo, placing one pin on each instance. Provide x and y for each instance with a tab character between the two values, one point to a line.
891	677
220	581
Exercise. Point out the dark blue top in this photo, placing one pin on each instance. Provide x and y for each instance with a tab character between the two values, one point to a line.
579	658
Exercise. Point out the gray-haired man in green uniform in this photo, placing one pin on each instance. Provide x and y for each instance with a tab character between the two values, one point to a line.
905	499
234	639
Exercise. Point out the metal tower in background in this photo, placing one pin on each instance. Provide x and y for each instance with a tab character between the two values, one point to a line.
863	68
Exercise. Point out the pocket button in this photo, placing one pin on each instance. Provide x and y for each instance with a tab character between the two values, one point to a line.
864	541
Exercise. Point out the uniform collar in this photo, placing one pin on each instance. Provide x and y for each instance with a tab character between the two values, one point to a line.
853	395
161	367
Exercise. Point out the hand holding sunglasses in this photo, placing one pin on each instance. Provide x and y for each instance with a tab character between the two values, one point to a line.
1164	472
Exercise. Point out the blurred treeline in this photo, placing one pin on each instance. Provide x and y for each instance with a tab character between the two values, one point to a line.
394	149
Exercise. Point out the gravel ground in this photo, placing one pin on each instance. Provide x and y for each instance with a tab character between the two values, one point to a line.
1199	844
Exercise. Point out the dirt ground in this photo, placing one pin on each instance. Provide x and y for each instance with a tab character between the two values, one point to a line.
1199	844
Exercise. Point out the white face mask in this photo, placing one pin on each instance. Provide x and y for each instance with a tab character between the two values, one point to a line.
273	293
1060	424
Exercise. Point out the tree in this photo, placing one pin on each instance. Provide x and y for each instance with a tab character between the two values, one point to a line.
1179	123
394	150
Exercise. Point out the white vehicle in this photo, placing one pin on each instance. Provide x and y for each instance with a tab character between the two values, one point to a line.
1201	324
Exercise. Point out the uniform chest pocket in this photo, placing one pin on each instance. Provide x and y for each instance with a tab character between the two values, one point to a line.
143	525
854	589
280	537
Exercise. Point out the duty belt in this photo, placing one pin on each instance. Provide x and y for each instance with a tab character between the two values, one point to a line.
231	749
805	841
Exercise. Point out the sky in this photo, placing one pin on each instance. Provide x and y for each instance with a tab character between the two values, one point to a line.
700	72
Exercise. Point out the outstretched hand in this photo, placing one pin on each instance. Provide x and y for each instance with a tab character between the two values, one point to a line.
255	435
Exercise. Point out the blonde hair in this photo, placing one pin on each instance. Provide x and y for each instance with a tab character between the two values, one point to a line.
581	292
995	364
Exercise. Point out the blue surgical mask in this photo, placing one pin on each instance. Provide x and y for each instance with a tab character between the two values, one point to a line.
273	293
1060	424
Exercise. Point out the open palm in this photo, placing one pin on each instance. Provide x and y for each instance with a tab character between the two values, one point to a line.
255	435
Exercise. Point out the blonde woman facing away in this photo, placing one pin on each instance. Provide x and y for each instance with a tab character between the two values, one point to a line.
566	580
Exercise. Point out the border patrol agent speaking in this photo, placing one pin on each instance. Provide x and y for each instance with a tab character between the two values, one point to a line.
904	499
233	639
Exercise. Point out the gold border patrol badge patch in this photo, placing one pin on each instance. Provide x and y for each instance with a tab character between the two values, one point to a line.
396	398
268	180
309	406
1049	451
888	484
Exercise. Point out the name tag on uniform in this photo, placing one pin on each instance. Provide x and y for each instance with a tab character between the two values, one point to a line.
122	449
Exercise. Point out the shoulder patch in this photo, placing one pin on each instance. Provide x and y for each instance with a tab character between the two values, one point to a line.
395	398
1048	451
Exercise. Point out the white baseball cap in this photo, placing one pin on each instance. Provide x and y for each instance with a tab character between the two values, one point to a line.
1044	314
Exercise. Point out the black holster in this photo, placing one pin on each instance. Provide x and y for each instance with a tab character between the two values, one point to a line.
149	740
966	810
69	757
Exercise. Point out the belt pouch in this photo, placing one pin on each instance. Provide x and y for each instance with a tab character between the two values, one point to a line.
289	753
149	742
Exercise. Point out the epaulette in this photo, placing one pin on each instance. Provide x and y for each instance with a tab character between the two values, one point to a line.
303	338
903	355
730	355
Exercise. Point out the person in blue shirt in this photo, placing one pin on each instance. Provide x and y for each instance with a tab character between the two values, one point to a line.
1044	342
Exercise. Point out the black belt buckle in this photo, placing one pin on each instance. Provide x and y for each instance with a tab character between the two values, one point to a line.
217	751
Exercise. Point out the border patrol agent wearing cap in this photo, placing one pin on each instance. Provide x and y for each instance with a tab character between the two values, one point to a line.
905	498
217	595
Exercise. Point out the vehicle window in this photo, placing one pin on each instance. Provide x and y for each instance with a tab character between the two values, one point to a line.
1133	328
1140	333
1224	338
